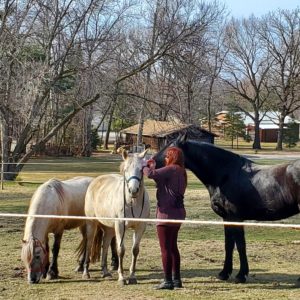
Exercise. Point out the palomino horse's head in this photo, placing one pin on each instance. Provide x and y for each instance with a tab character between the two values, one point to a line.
132	169
36	259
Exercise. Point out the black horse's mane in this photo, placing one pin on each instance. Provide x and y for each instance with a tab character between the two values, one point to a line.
213	150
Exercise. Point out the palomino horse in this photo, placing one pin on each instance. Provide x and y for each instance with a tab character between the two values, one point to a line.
53	197
240	190
117	196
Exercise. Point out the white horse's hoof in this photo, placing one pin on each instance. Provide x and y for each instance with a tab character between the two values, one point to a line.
86	276
122	282
132	281
78	269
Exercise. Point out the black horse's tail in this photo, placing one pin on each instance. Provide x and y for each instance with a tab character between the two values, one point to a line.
96	246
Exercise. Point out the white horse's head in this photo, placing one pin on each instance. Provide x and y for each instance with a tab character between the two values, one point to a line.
35	256
132	169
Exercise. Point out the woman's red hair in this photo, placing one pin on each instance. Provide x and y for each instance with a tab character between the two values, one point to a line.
175	157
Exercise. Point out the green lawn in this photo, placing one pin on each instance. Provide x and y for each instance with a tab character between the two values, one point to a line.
273	253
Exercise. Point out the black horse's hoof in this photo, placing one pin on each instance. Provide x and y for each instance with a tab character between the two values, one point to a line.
223	275
132	281
106	275
52	275
240	278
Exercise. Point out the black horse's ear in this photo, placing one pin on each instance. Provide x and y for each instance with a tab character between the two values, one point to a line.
182	138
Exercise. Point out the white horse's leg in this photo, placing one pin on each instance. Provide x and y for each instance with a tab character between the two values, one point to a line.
120	236
137	236
107	236
90	232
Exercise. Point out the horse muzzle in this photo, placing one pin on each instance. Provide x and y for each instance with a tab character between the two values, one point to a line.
134	195
34	278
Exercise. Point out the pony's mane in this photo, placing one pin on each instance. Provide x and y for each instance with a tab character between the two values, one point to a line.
27	250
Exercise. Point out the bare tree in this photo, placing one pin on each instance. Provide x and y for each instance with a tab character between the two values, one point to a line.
55	30
280	34
246	70
174	28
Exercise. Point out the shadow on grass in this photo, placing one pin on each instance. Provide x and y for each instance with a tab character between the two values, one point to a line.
257	279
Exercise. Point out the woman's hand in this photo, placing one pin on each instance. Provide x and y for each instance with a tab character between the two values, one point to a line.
146	171
151	163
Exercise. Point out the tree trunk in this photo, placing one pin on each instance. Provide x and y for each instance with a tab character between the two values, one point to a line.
5	150
87	147
112	110
141	124
146	94
280	133
256	142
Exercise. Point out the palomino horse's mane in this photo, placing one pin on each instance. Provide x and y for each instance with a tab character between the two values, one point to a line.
122	166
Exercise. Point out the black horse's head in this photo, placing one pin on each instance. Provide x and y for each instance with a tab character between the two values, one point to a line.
210	163
159	157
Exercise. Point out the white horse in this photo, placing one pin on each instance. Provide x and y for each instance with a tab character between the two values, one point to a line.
117	196
53	197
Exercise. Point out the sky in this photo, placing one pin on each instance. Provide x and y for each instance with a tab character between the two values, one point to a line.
244	8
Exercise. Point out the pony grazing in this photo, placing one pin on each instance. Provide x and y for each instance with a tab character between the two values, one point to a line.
117	196
240	190
53	197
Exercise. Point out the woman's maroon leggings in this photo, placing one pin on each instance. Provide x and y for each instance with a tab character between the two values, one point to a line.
167	236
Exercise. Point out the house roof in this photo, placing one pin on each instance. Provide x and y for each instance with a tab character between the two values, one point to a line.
156	128
268	121
159	128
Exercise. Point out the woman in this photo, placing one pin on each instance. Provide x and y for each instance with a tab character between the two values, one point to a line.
171	182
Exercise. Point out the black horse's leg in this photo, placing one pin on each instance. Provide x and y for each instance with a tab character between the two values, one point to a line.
81	249
241	247
53	269
90	233
229	246
114	254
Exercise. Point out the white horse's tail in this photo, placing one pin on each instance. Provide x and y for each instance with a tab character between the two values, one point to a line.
96	246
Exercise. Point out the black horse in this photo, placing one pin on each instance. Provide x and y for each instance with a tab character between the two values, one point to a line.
240	190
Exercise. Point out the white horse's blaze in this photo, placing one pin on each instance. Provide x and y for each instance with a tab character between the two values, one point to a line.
118	196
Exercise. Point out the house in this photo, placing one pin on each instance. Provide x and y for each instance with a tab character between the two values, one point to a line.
157	134
268	127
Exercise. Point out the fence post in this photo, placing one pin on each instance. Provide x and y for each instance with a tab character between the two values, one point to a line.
2	156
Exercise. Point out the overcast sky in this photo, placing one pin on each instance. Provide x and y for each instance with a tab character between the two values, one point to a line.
244	8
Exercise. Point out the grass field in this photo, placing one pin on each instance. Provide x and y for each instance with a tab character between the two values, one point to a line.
273	253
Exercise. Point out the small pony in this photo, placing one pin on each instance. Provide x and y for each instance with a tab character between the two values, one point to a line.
116	196
53	197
